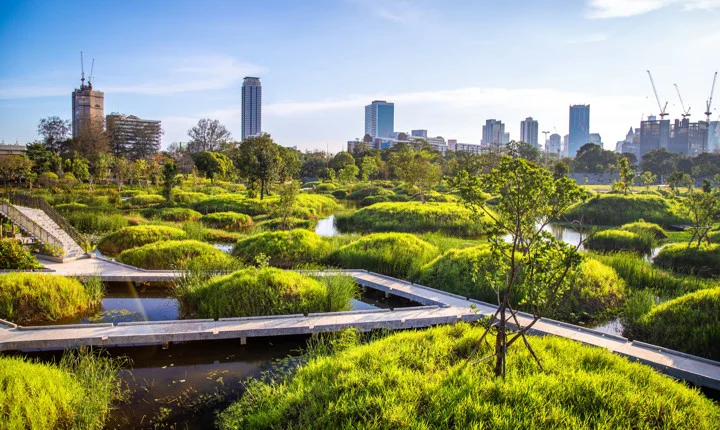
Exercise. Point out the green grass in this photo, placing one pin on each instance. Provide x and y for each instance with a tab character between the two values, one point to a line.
414	217
143	200
13	255
395	254
703	261
27	298
690	323
620	240
596	293
616	210
283	248
172	214
131	237
648	228
264	291
177	254
446	242
421	380
231	221
96	221
77	393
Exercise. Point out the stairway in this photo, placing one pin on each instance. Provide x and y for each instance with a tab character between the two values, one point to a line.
72	249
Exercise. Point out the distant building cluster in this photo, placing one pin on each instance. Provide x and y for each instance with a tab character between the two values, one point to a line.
680	136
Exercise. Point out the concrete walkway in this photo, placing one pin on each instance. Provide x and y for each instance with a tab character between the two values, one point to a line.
441	308
72	249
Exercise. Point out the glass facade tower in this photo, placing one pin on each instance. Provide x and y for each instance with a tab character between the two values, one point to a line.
579	128
380	119
251	107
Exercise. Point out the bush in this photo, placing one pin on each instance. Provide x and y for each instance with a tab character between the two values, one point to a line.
180	254
395	254
67	207
292	223
714	237
96	222
131	237
596	293
703	261
620	209
37	297
317	205
76	393
620	240
361	193
14	256
131	193
47	179
284	248
371	200
690	323
421	380
142	200
231	221
325	188
340	194
188	198
173	214
648	228
263	291
449	218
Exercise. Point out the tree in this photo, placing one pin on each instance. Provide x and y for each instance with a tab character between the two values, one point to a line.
591	158
213	165
631	158
340	160
91	140
285	206
560	169
14	167
523	150
348	173
660	162
369	167
170	179
328	175
54	132
416	169
290	163
80	168
258	159
703	209
313	167
208	135
627	176
647	179
532	259
676	178
121	170
68	181
43	158
48	179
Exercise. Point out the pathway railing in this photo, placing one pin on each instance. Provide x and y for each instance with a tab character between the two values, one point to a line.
28	224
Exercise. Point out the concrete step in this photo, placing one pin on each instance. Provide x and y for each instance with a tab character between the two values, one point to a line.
72	249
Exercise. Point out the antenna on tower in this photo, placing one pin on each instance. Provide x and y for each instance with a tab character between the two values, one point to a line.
92	68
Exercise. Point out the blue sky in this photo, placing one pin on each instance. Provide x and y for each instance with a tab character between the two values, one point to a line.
447	65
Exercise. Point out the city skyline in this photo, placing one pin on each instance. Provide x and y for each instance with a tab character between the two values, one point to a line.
314	89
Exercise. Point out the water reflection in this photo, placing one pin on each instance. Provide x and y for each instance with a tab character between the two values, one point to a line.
326	227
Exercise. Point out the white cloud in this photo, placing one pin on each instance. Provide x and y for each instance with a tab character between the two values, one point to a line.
399	11
626	8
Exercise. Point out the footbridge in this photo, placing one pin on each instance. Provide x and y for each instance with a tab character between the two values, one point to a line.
438	307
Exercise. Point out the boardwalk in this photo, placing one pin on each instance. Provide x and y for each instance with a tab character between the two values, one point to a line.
439	308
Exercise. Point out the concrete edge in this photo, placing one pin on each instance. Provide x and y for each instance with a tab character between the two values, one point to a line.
417	308
64	326
585	329
136	323
340	313
649	346
265	317
8	323
135	268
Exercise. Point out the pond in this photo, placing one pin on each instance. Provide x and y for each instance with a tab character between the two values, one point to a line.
326	227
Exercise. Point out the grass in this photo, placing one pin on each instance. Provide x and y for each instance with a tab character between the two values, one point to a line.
703	261
616	210
231	221
177	254
76	393
421	380
395	254
264	291
414	217
27	298
283	248
172	214
648	228
620	240
690	323
14	256
96	221
143	200
131	237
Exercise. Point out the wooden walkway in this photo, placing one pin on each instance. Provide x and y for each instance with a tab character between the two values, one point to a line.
439	308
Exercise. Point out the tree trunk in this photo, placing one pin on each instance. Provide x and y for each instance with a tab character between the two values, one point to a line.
262	188
500	343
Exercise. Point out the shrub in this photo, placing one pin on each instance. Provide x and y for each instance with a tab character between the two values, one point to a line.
648	228
47	179
223	203
76	393
14	256
317	205
703	261
596	293
131	193
96	222
180	254
263	291
361	193
37	297
231	221
620	209
340	194
188	198
284	248
620	240
371	200
292	223
173	214
690	323
325	188
421	380
141	200
394	254
449	218
714	237
131	237
67	207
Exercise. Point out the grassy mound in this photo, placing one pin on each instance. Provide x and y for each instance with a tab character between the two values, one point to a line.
421	380
131	237
284	248
361	193
291	223
703	261
394	254
173	214
616	209
96	221
76	393
690	323
620	240
35	297
177	254
265	291
141	200
14	256
642	227
449	218
231	221
597	292
220	203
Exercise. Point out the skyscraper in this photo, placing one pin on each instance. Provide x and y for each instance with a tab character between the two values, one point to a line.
579	128
380	119
87	106
251	107
554	144
493	133
529	131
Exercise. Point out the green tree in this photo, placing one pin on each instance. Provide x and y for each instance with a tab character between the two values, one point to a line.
591	158
523	150
43	158
531	259
627	176
258	159
703	209
286	204
313	167
213	165
208	135
54	132
417	169
560	169
340	160
14	167
80	168
328	175
647	179
348	173
677	178
68	181
170	179
369	167
290	163
660	162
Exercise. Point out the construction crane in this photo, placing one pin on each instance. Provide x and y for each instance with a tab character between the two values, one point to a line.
92	69
686	112
662	108
82	69
708	103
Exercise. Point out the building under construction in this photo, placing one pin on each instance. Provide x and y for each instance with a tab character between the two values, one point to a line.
683	137
88	106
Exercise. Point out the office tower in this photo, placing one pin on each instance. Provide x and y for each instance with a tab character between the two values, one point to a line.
579	128
596	139
132	137
493	133
554	144
88	107
529	131
419	133
380	119
251	107
713	142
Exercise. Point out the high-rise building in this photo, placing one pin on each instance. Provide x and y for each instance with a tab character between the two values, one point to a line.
596	139
529	131
87	105
654	134
493	133
132	137
419	133
554	144
713	143
251	107
380	119
579	128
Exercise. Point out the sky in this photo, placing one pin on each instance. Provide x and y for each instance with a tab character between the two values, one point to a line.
448	65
